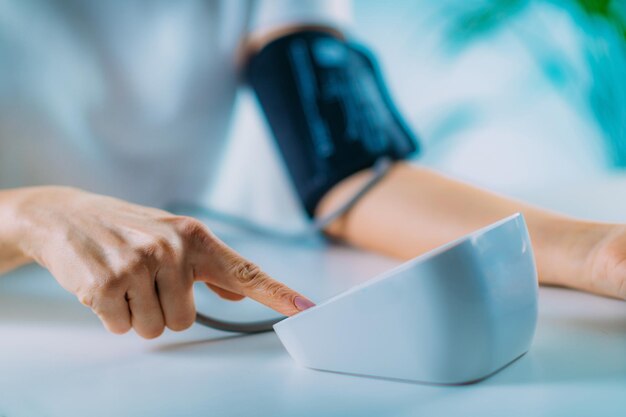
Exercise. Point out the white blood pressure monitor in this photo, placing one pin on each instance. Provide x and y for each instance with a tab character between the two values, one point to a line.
454	315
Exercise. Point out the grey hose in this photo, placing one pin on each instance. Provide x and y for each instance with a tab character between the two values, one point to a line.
237	327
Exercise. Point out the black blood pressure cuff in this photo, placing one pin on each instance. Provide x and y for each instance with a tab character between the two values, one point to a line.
328	109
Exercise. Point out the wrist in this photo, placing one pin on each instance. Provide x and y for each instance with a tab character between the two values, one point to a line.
13	230
28	212
565	249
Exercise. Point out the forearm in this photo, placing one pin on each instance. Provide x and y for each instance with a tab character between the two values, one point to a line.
12	253
413	210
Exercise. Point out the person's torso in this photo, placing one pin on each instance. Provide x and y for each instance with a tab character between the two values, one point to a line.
123	97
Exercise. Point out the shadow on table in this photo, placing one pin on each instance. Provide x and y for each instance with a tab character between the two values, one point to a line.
227	345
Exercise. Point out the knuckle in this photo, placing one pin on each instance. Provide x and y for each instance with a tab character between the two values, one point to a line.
109	282
146	251
86	298
247	274
97	288
189	226
171	246
145	256
276	290
155	247
192	230
135	262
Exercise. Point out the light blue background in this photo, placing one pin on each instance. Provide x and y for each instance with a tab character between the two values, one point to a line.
509	111
488	114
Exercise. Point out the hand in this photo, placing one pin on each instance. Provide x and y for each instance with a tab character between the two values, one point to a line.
135	266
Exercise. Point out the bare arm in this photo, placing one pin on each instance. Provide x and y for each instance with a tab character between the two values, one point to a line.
414	209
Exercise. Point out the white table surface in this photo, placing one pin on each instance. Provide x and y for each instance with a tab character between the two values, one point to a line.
57	360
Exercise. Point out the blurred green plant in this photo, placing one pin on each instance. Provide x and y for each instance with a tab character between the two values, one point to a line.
480	17
477	19
611	10
603	23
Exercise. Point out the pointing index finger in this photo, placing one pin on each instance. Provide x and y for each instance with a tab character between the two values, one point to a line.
221	266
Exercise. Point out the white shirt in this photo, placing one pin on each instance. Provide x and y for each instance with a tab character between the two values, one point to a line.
126	97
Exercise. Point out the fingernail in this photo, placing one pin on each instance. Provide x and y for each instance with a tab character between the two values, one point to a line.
303	303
